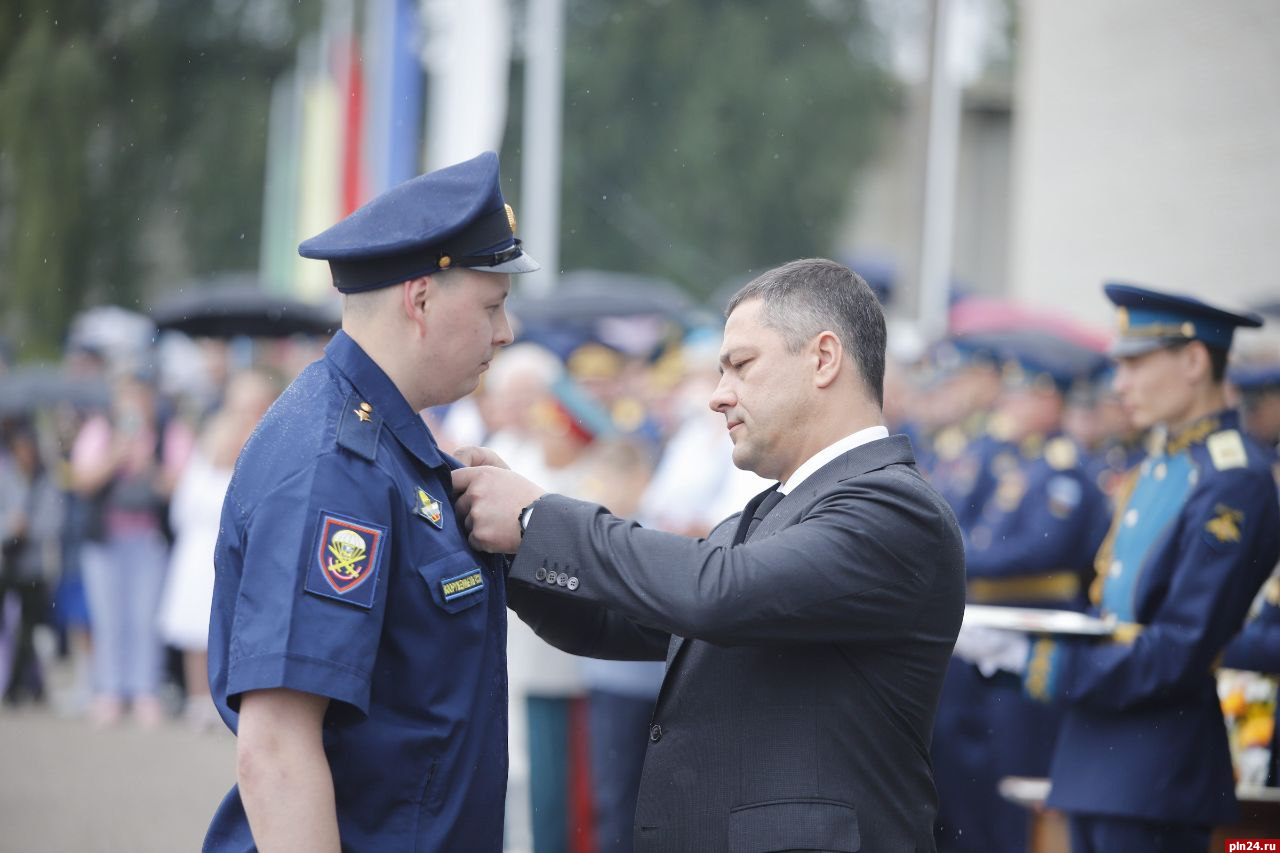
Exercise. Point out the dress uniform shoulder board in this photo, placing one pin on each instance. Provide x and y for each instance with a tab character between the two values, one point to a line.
1061	453
1226	449
358	427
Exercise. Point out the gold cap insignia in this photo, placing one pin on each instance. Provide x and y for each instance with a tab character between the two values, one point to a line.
445	262
511	218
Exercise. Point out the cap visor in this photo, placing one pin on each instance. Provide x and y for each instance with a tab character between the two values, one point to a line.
520	263
1129	347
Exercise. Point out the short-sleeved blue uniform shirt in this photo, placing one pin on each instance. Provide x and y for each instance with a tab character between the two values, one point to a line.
342	571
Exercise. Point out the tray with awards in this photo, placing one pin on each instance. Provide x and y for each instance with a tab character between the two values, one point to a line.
1031	620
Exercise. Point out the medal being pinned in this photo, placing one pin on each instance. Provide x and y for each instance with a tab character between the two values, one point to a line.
429	508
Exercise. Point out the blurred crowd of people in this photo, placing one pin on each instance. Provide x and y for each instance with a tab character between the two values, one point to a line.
111	487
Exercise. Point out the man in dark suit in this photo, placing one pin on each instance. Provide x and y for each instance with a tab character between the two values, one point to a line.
806	638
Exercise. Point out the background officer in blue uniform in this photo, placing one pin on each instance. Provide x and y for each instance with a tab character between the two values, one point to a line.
1142	761
1257	647
1032	544
1258	385
357	645
958	457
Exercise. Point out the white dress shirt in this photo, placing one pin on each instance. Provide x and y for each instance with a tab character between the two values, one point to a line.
831	451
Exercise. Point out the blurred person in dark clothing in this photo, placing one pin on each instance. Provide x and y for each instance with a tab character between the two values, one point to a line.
30	548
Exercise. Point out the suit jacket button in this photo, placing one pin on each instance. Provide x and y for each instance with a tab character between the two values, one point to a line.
562	579
655	733
573	584
540	574
551	577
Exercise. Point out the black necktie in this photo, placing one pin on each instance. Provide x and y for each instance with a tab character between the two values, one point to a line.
769	502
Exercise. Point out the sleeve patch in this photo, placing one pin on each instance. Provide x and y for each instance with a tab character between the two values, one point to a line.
1225	524
347	556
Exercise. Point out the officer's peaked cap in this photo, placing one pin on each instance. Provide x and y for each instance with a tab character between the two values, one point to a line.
452	217
1148	319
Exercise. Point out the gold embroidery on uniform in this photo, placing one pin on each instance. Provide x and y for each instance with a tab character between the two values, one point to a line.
1226	524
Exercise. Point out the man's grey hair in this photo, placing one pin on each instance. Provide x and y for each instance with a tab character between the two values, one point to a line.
802	298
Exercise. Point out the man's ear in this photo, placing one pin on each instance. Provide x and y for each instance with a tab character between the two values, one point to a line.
415	300
1196	361
830	356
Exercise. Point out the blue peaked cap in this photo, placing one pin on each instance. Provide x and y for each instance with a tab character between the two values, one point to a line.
1034	359
1255	377
1148	319
450	218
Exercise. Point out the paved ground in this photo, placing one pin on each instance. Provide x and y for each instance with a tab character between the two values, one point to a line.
65	786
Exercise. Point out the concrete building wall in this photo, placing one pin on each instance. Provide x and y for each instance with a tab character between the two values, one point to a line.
1146	147
886	210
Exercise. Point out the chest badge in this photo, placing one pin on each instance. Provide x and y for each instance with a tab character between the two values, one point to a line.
429	508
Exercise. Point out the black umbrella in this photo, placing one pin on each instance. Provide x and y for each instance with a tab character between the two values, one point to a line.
230	306
29	387
1270	307
587	296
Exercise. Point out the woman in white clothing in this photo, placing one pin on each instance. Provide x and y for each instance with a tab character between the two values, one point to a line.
194	515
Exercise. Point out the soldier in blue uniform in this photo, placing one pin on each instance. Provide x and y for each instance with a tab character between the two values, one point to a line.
1259	387
357	645
1142	761
1097	421
959	455
1031	545
1257	647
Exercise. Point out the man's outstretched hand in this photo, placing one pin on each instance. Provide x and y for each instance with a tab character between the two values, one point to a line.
489	500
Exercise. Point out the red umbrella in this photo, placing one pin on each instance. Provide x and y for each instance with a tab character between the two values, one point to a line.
979	316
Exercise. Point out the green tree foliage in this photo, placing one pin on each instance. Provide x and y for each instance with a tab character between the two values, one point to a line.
704	139
132	143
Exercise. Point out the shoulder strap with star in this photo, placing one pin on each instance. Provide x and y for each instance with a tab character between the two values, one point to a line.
1226	450
358	427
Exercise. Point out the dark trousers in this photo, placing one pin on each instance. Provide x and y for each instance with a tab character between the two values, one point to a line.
25	679
619	729
1095	834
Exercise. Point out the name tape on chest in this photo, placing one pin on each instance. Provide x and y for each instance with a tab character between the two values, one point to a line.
468	583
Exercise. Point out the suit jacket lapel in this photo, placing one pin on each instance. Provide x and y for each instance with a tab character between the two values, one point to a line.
861	459
866	457
739	528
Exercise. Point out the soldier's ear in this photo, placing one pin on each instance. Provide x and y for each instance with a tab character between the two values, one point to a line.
415	298
1195	357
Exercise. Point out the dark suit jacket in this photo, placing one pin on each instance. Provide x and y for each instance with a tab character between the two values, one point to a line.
803	666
